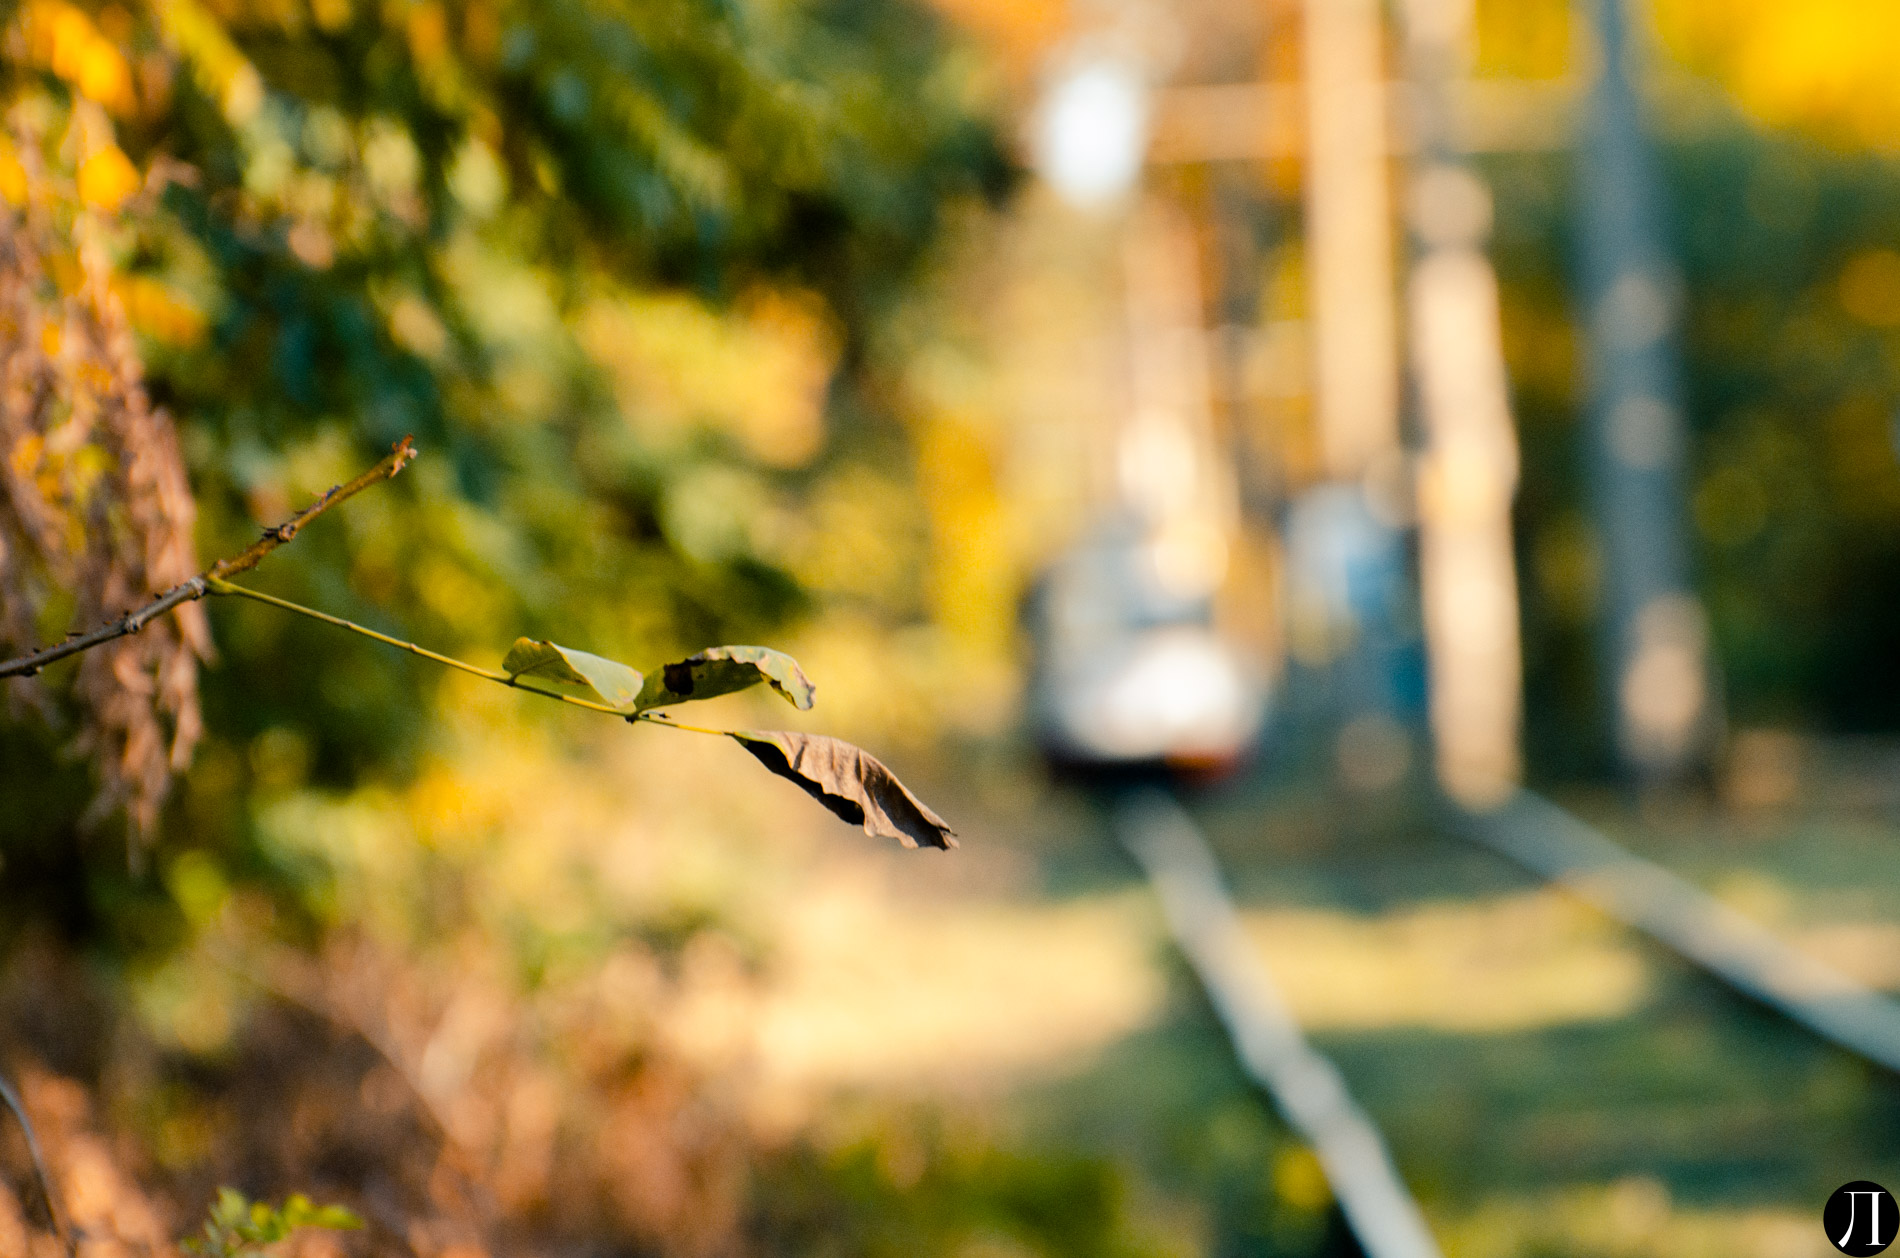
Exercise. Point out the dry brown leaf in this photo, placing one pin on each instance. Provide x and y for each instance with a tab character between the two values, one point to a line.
852	783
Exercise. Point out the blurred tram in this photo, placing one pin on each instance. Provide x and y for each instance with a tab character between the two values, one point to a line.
1128	673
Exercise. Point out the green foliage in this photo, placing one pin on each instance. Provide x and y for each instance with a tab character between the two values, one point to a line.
420	222
239	1228
880	1202
1793	485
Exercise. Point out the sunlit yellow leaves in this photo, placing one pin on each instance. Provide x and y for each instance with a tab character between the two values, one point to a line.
481	32
428	30
222	71
1823	65
65	40
1528	39
107	178
415	326
758	373
1300	1180
1827	65
1022	30
1870	287
331	15
12	175
159	313
25	457
972	569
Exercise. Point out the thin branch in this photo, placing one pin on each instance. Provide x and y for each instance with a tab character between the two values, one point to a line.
216	586
200	585
398	458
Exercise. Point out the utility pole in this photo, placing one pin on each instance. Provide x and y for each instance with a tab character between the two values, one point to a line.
1655	635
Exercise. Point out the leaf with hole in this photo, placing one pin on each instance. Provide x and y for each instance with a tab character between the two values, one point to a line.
722	670
612	682
851	782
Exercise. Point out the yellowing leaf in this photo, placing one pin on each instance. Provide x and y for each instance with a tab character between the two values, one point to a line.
851	782
12	174
107	178
157	313
220	68
103	76
612	682
63	38
722	670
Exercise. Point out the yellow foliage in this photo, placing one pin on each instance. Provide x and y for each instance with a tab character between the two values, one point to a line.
331	15
222	71
26	454
1527	39
158	313
1870	287
972	567
428	30
1825	65
1300	1180
107	178
65	40
1021	30
12	174
759	373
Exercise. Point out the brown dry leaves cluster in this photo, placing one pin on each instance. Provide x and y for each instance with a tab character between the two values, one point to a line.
96	512
458	1116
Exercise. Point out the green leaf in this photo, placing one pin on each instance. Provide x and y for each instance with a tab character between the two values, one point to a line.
614	683
239	1228
336	1218
722	670
851	782
300	1212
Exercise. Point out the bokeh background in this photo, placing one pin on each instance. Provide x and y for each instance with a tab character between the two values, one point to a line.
1478	441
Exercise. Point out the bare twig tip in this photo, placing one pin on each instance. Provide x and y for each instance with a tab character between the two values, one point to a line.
404	450
210	581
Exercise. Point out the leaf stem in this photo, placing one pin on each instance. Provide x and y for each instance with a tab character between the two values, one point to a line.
217	586
660	718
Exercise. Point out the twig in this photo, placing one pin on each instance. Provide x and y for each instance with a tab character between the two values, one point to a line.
201	585
13	1103
216	580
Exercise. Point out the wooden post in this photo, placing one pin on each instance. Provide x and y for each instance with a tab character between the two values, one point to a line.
1468	469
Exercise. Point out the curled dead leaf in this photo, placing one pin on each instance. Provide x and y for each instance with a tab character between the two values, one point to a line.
851	782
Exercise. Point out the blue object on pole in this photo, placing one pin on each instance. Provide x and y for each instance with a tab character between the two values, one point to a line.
1655	639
